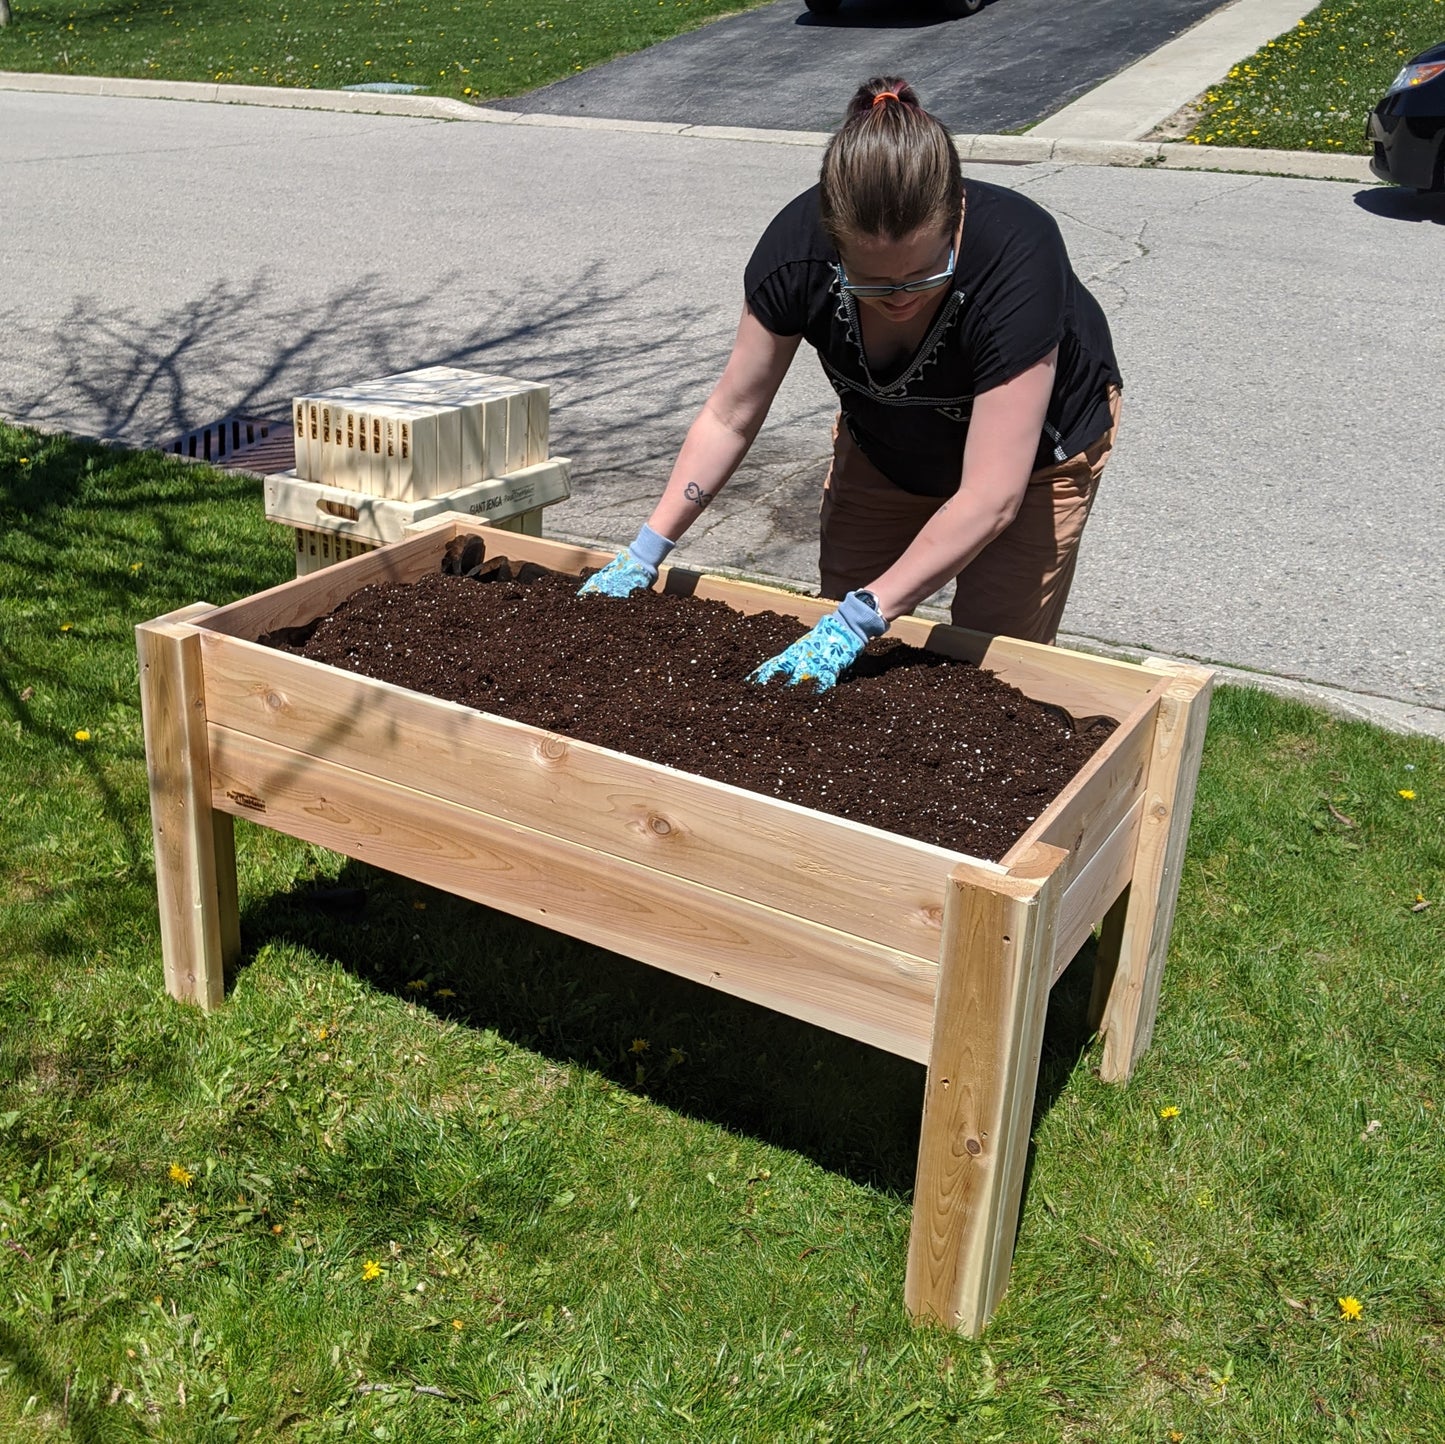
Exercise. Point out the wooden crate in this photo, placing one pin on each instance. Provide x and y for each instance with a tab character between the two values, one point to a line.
928	953
334	525
419	433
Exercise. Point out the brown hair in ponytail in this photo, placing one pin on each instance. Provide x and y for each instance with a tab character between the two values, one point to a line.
891	170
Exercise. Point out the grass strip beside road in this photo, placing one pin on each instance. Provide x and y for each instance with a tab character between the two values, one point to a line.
432	1173
1312	87
480	50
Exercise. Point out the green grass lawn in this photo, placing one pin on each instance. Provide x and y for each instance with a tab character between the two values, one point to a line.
475	50
1312	88
434	1174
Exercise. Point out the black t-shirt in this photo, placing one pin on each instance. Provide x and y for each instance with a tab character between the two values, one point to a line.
1013	298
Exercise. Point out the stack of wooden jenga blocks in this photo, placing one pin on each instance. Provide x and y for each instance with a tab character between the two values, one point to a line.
373	458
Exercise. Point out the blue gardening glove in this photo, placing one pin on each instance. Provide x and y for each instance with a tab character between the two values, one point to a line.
830	648
633	569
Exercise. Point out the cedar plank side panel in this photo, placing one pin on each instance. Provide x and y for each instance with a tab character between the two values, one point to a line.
794	965
857	879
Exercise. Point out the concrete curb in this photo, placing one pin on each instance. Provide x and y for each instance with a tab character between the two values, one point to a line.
1030	149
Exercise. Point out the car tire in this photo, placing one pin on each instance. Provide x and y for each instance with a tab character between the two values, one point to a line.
962	7
823	7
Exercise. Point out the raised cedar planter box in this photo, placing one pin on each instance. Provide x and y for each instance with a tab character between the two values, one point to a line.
924	952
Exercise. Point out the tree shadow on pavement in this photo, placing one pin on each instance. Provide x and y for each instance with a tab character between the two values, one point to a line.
1395	203
248	347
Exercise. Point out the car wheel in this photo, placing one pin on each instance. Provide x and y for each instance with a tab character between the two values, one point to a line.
962	7
823	7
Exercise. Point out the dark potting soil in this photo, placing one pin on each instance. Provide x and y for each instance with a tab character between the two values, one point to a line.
911	742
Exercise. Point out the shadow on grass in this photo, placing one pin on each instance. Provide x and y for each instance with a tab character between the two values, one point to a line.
71	1414
106	533
851	1108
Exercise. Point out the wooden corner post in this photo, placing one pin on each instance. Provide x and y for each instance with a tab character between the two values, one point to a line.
988	1025
195	846
1134	939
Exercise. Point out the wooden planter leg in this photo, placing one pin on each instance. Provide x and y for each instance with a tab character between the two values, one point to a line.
195	846
1135	936
988	1025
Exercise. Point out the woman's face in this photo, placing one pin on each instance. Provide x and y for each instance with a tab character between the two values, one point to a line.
881	261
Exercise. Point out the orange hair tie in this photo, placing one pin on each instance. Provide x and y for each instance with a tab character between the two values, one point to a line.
887	95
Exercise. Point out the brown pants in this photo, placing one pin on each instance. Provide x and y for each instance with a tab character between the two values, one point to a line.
1016	586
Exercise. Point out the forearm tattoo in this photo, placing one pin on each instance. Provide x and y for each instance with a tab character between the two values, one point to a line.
695	494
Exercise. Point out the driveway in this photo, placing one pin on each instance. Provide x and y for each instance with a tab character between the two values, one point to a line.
783	68
1274	502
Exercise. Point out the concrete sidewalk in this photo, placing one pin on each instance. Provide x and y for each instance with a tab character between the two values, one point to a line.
1133	102
1273	504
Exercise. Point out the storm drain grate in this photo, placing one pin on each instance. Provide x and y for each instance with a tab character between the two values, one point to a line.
240	443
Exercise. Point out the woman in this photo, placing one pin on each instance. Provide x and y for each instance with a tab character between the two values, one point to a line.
976	380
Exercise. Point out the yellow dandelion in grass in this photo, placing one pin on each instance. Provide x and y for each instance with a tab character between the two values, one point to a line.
417	985
322	1033
24	461
445	993
371	1270
278	1229
136	566
1350	1307
182	1175
66	626
456	1323
82	735
638	1045
1408	793
1170	1112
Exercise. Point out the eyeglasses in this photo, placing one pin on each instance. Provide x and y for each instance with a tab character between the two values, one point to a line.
928	283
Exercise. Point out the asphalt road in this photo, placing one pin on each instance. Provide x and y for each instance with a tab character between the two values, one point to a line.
783	68
1274	501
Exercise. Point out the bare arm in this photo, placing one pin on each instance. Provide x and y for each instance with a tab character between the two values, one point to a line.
1003	439
726	426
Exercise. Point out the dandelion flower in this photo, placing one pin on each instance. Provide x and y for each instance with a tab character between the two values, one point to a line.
639	1045
66	626
417	985
1170	1112
445	993
1350	1307
1408	793
136	566
82	735
182	1175
278	1228
322	1033
371	1270
456	1323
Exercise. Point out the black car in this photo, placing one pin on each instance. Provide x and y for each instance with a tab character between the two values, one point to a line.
949	7
1407	128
